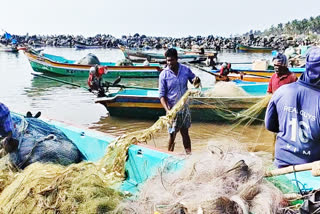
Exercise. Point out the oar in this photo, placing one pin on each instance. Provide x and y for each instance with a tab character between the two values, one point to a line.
58	80
313	166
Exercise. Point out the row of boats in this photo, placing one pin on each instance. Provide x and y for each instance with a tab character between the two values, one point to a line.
144	102
58	65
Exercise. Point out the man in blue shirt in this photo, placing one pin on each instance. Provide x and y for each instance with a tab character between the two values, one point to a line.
294	114
6	128
173	83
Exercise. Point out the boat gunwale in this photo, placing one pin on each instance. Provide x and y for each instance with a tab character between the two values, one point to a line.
106	99
38	59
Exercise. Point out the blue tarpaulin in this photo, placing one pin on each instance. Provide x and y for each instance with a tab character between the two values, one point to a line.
7	36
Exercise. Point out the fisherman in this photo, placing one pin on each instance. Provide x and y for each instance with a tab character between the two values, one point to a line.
293	113
282	74
224	71
211	61
6	129
95	80
173	83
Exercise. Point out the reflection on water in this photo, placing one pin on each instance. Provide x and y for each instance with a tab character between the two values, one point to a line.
24	92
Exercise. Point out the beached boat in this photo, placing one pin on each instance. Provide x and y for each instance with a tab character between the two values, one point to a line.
4	48
253	49
58	65
248	74
138	55
140	103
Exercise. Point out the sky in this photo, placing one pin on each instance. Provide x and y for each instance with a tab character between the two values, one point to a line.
175	18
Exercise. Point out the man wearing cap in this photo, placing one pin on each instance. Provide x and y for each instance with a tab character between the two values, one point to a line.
173	84
294	114
282	74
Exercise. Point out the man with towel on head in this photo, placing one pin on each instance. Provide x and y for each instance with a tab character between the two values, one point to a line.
282	74
294	114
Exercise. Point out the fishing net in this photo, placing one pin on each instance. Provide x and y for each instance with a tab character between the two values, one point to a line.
225	89
41	142
89	59
233	105
85	187
222	180
124	62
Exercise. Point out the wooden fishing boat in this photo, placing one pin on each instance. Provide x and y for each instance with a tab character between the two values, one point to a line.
58	65
85	46
253	49
140	103
199	51
248	74
139	55
12	49
144	161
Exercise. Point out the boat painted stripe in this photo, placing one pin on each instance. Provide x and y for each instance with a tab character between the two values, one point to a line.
159	106
87	67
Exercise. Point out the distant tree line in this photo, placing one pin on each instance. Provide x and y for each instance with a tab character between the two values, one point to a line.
309	26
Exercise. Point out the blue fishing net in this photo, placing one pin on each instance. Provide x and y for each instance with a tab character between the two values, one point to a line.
41	142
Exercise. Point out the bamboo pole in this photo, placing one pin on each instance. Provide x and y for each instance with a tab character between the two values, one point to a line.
313	166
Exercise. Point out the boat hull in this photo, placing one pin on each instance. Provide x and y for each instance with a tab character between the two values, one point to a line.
42	64
8	49
81	46
149	107
253	49
247	74
142	162
157	57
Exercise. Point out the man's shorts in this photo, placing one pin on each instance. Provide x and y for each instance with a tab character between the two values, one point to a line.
182	120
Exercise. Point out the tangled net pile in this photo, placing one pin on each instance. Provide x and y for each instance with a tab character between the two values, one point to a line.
225	89
78	188
219	181
228	93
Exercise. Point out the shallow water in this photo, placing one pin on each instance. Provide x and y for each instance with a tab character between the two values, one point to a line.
23	92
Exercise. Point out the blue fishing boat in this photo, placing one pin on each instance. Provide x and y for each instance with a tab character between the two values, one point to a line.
143	162
57	65
145	103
